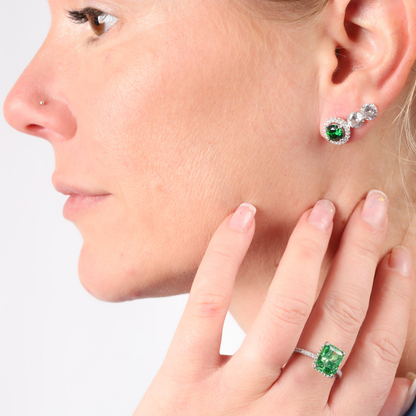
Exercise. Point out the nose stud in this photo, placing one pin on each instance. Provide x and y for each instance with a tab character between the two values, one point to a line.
42	103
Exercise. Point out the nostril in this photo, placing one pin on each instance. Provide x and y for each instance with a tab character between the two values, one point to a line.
22	110
35	129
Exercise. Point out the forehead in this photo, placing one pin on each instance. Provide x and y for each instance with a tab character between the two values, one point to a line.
121	8
109	3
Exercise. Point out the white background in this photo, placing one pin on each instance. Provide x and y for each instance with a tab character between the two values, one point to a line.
62	352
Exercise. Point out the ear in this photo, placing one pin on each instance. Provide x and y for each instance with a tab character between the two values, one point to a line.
369	47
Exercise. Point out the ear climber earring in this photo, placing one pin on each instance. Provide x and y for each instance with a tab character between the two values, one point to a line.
338	131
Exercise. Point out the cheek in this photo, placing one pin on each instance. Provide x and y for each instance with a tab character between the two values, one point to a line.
164	145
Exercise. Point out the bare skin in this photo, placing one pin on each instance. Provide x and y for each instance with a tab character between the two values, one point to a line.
182	110
196	379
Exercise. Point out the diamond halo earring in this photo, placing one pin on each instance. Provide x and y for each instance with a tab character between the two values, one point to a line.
338	131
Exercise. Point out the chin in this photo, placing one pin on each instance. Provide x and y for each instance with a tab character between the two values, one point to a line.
111	279
99	280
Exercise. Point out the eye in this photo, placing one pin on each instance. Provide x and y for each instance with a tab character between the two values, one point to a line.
100	22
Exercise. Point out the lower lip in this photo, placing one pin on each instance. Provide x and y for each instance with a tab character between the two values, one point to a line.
76	204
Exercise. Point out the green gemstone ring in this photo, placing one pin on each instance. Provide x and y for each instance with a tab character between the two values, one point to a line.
327	361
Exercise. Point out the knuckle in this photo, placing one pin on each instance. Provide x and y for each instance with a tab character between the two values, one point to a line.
401	294
224	253
347	315
291	310
209	304
366	248
385	345
308	248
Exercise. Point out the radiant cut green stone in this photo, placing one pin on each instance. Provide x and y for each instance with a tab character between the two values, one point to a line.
335	133
329	360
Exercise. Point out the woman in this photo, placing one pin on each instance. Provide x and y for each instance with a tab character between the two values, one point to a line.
166	116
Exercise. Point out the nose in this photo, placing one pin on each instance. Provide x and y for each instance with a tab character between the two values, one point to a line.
37	105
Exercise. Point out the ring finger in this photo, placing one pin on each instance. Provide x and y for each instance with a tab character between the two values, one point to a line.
343	302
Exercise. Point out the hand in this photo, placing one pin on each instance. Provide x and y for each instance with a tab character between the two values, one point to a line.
196	380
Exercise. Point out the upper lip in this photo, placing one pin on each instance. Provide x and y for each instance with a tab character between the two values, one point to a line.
66	189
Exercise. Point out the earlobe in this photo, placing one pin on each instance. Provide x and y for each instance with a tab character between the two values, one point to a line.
370	52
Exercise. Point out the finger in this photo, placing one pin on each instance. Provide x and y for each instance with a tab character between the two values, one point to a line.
198	336
396	401
276	330
370	370
344	298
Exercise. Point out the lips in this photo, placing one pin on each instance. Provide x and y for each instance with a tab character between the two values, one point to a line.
65	189
80	199
78	204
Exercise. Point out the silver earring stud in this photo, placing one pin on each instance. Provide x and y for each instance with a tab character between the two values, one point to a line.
42	103
338	131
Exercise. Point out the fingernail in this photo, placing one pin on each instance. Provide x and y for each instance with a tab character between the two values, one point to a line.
401	260
411	395
322	215
243	217
375	209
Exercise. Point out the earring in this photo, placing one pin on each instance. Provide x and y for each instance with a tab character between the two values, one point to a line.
338	131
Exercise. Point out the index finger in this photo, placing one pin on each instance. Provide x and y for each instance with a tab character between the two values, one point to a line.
198	336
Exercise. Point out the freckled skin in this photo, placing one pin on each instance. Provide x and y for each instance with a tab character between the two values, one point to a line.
183	110
186	108
168	115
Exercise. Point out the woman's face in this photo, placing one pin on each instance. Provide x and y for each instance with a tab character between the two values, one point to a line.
173	113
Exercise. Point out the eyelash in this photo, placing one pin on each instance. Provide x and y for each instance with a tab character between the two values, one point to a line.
80	16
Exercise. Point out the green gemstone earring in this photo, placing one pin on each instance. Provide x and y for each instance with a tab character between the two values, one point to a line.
338	131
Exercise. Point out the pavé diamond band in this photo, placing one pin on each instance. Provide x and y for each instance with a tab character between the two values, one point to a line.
327	361
338	131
